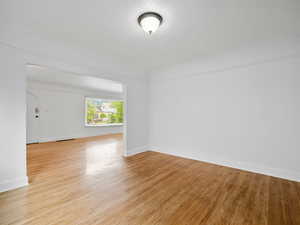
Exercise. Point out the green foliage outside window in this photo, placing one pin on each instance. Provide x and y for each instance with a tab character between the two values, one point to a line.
101	112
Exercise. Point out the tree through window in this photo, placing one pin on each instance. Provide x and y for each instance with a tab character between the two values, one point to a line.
101	112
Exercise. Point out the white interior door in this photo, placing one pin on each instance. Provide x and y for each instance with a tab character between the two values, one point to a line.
32	118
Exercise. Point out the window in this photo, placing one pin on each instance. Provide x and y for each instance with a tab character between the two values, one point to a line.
103	112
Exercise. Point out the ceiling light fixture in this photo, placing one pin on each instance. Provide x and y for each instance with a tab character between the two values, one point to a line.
150	21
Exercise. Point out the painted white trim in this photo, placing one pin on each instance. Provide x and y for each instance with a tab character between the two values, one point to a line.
104	125
51	139
136	150
32	142
125	120
274	172
13	183
105	98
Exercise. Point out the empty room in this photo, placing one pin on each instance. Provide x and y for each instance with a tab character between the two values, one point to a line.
150	112
71	118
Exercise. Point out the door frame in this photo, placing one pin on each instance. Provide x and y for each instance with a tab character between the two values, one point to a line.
37	138
35	61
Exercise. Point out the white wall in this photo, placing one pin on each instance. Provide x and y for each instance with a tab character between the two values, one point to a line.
62	111
243	114
12	81
12	120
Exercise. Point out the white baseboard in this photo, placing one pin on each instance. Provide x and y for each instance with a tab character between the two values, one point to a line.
52	139
13	183
274	172
136	150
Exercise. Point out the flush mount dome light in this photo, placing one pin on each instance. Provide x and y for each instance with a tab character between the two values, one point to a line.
150	21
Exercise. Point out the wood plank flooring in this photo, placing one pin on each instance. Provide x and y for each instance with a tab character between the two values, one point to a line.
87	181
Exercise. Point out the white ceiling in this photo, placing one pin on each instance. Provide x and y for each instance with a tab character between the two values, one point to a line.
191	28
54	76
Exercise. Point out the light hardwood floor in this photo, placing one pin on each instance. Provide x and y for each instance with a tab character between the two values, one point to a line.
87	181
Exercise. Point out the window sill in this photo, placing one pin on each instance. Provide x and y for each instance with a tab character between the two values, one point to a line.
105	125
